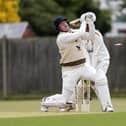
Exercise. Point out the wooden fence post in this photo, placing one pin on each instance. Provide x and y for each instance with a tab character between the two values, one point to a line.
4	65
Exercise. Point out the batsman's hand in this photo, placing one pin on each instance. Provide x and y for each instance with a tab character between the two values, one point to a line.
88	17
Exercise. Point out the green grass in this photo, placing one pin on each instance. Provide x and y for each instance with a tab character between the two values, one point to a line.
103	119
20	106
34	105
29	107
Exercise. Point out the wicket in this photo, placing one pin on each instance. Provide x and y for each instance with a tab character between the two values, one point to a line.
82	96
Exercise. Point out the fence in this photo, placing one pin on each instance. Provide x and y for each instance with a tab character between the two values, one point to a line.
31	66
117	69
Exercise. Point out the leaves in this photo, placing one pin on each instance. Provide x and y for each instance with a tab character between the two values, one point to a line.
41	13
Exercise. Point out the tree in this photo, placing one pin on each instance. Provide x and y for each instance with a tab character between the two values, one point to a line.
9	11
103	22
122	17
124	4
41	13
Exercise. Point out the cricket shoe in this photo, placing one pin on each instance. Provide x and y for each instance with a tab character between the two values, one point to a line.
43	107
67	108
108	109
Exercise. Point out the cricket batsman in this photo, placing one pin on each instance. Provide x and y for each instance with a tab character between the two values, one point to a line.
73	62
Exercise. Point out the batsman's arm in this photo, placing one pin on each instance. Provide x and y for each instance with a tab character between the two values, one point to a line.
86	22
89	16
68	37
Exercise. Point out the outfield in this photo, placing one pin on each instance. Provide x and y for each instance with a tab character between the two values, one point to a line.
27	113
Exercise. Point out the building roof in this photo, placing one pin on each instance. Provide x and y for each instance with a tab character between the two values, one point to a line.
13	30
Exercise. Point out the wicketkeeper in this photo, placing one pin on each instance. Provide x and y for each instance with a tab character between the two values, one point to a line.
100	60
98	56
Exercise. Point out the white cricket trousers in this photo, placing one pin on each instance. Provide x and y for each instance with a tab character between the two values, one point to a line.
72	76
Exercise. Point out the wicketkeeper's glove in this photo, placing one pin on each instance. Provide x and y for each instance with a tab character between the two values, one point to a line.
88	17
